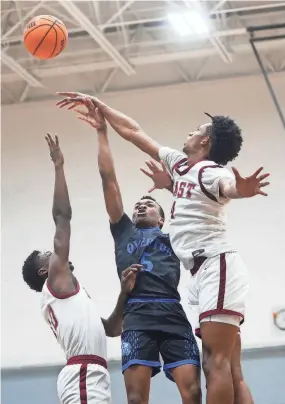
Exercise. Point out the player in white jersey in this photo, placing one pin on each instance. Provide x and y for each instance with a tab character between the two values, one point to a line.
202	187
67	308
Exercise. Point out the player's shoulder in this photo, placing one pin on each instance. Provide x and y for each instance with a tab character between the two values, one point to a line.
121	228
49	294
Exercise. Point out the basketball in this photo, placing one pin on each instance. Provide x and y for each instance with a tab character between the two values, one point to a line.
45	37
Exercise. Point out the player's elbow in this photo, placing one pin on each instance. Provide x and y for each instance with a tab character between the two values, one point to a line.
110	330
60	214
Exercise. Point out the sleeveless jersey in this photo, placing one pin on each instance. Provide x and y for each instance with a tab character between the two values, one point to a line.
75	322
198	217
154	301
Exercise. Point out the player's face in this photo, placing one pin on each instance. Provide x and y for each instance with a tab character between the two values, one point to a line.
197	139
43	260
146	214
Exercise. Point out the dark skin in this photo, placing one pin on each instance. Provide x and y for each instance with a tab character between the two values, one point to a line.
146	214
55	266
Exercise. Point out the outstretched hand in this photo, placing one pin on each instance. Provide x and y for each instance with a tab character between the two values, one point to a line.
129	276
55	151
250	186
93	115
159	175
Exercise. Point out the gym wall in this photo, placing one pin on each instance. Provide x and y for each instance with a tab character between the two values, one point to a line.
168	114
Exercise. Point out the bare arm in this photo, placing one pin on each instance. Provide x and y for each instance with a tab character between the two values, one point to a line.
59	275
114	324
130	130
126	127
112	194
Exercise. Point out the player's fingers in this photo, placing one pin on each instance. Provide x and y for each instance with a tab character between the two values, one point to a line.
151	189
69	94
163	165
88	120
236	173
56	141
262	193
257	172
263	184
80	112
150	166
90	105
74	105
153	165
51	141
262	177
64	103
146	172
136	266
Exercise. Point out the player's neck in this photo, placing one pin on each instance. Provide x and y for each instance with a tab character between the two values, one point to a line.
195	158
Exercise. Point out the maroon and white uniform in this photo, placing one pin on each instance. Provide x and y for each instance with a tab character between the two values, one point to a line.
78	328
198	236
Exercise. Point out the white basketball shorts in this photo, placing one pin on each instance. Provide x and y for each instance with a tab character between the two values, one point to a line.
84	384
219	288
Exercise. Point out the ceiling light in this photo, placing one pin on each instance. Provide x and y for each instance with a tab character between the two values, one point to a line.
197	22
179	23
188	23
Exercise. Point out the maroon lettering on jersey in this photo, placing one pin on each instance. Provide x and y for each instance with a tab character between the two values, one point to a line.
183	189
175	188
189	190
53	322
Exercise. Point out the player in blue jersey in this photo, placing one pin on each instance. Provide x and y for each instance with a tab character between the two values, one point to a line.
154	320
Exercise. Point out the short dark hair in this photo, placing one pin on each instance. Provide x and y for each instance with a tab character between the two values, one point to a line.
30	272
226	139
161	211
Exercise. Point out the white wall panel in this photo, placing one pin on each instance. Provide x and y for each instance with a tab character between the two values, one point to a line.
256	226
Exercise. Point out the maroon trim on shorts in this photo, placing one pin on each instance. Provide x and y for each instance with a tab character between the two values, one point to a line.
63	295
203	189
221	311
223	278
221	296
87	360
82	384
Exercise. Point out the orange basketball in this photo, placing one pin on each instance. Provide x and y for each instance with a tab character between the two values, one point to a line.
45	36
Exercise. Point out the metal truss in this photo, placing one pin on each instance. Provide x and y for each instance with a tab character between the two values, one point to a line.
253	39
122	37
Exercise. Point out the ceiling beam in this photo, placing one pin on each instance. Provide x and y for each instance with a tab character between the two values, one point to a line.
30	14
49	71
116	15
98	36
20	71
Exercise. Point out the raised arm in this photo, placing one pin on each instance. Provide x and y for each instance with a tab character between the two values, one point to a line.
113	324
112	194
126	127
59	274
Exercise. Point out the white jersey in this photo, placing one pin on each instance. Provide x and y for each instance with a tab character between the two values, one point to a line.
75	322
198	218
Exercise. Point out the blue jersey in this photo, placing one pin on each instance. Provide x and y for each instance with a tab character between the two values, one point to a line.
154	301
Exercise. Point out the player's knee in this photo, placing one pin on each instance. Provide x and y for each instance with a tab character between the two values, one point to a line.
192	394
135	398
216	363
